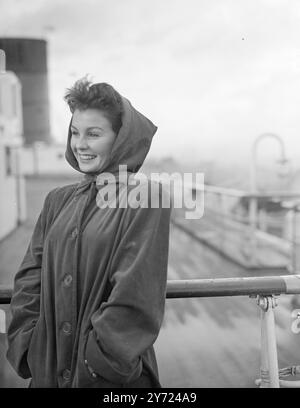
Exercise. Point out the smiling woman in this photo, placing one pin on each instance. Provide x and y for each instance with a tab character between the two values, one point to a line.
88	299
91	145
97	111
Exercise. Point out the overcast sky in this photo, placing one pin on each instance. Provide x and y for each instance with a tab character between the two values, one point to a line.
211	74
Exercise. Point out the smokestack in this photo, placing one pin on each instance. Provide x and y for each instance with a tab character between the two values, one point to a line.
2	62
27	59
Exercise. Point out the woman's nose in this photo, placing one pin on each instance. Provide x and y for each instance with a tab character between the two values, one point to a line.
81	143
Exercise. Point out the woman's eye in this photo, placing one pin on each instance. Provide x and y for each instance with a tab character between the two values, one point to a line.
73	133
93	134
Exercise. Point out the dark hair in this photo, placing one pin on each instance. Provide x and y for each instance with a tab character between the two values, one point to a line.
85	95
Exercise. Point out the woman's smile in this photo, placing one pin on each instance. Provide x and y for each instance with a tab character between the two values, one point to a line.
83	157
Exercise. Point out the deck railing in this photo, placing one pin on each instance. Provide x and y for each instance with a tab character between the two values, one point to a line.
264	289
270	219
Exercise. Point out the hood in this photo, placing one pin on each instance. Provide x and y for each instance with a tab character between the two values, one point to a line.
131	145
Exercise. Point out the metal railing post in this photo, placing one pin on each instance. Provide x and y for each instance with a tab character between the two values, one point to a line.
269	358
2	321
264	366
253	206
295	239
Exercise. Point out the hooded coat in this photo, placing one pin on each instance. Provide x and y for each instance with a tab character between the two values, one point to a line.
88	299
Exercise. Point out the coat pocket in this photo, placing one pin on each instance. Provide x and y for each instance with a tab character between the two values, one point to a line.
84	377
31	354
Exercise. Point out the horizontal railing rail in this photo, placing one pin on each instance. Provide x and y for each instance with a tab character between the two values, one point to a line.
265	286
276	194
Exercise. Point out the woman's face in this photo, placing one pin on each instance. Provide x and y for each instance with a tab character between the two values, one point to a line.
92	139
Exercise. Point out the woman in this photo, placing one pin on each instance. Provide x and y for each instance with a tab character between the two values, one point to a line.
89	297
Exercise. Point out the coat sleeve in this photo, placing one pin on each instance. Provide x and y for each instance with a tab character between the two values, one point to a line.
128	323
25	302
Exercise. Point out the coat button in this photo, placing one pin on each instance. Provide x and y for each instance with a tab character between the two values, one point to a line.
67	375
75	233
68	280
66	327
